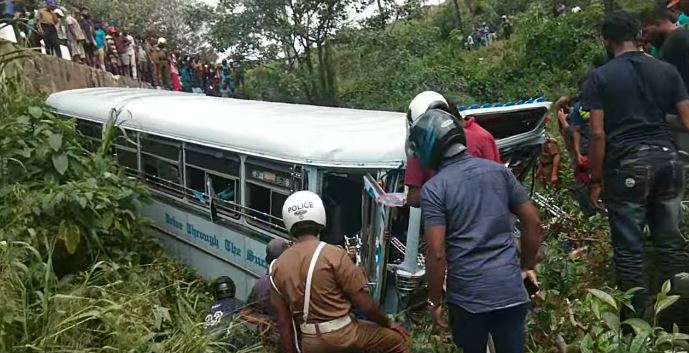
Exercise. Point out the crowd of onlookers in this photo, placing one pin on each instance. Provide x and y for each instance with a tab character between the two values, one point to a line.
484	35
74	35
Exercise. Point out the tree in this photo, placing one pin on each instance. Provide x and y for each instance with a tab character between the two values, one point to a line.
301	29
182	22
458	13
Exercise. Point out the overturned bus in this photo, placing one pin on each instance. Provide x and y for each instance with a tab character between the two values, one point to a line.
219	171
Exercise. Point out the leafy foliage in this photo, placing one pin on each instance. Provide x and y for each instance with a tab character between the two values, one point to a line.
78	270
382	69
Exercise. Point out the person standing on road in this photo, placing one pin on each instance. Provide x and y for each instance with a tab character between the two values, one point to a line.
47	19
75	38
468	209
315	286
99	40
122	47
131	52
87	28
632	154
164	64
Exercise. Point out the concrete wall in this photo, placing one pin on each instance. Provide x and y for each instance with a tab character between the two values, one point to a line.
47	74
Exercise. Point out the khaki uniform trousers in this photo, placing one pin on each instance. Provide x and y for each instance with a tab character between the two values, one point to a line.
357	337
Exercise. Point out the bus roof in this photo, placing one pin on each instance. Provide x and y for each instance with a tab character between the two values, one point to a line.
303	134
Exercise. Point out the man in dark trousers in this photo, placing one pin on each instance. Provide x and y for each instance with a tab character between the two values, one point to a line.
315	286
468	209
633	155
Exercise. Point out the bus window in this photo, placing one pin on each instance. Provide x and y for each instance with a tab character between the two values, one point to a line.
93	133
160	158
218	168
128	160
268	186
196	185
126	152
225	194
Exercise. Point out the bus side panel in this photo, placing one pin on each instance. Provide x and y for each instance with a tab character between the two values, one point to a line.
211	249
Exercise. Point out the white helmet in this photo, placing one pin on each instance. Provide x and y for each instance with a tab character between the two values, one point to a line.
423	102
162	40
303	206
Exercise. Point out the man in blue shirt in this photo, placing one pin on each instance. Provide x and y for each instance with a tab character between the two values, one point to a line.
225	306
632	153
468	209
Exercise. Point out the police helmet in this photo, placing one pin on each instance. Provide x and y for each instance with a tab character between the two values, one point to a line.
436	135
425	101
303	206
223	287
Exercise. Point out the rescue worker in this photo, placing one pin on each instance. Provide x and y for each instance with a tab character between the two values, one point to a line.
315	286
468	209
225	306
480	142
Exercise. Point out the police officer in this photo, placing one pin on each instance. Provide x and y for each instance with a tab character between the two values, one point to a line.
315	286
225	306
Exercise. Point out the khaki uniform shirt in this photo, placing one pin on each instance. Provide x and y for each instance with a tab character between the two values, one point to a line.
335	279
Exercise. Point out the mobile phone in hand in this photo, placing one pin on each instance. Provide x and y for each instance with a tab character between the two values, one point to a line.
531	287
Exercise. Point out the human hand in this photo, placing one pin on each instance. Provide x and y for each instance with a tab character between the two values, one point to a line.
554	180
561	115
595	191
400	330
581	160
437	314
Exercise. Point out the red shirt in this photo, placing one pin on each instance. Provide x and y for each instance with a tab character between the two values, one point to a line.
480	144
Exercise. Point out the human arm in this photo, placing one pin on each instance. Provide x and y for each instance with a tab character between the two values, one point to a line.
436	259
554	174
531	236
363	300
683	113
414	196
284	318
592	101
576	144
596	155
413	179
436	262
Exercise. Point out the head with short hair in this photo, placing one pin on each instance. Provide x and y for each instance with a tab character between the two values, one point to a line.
619	29
275	248
657	23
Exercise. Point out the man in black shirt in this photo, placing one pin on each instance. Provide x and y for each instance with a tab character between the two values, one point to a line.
632	153
660	30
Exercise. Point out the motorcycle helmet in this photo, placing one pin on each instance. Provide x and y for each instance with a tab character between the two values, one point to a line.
423	102
435	136
223	287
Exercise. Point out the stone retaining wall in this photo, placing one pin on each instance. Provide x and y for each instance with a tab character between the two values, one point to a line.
47	74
